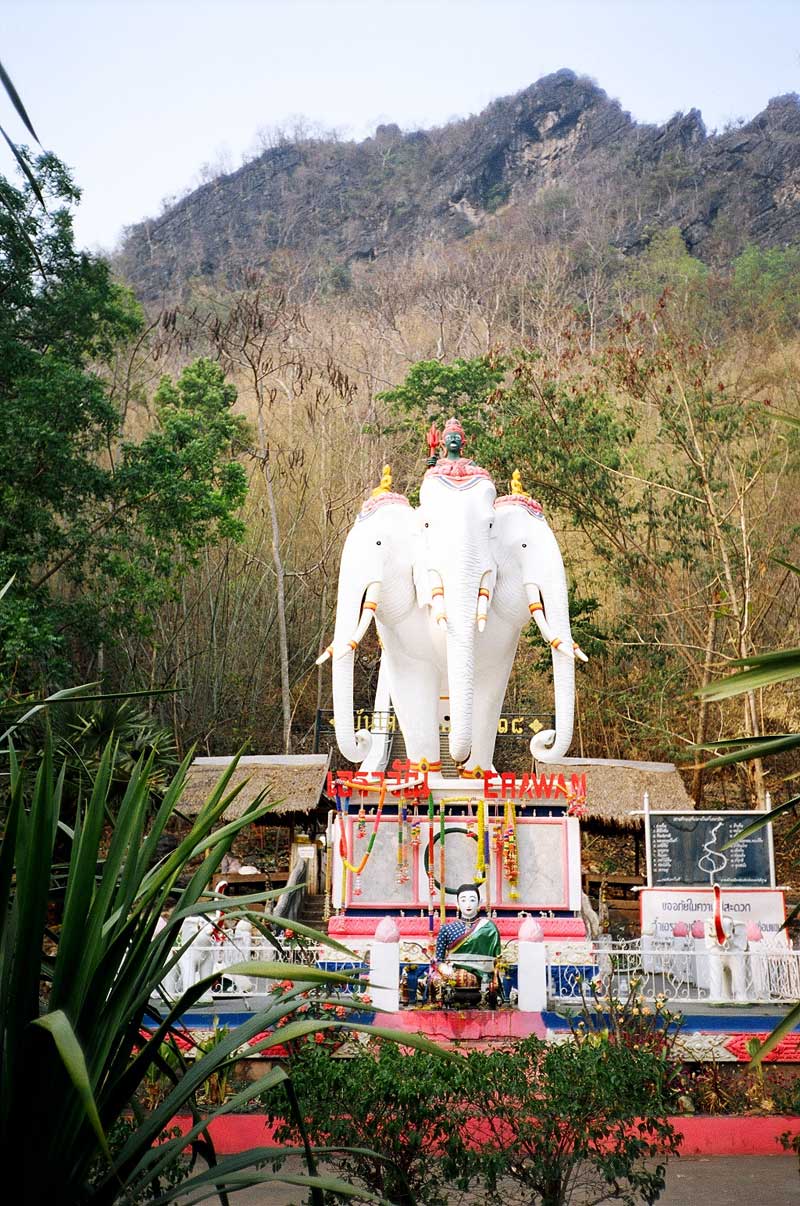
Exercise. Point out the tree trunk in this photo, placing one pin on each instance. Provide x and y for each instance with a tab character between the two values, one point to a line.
280	584
702	715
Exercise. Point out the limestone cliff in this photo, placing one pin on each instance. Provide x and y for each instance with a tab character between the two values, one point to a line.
336	202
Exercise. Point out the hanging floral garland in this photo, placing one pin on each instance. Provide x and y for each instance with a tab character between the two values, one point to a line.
510	849
341	809
442	889
576	803
402	844
416	829
481	856
497	832
431	883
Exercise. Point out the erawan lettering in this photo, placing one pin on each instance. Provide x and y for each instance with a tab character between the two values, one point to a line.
404	779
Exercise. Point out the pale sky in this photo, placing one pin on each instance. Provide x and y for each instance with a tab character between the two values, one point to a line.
135	96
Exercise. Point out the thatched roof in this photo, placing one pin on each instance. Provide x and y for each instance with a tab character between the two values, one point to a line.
293	782
615	789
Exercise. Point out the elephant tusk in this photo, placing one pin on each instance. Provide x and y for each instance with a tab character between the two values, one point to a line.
536	608
558	644
371	600
437	599
323	657
483	608
579	652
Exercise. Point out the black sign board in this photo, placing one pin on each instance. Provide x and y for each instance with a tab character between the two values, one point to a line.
685	850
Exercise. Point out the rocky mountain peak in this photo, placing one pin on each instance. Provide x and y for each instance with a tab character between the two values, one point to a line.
395	192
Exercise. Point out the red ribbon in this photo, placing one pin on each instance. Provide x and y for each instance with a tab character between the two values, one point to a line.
718	926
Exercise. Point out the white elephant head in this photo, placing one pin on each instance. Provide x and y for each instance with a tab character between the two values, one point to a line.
456	517
531	583
375	576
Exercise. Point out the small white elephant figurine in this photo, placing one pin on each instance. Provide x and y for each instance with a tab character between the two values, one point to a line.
238	950
199	956
727	961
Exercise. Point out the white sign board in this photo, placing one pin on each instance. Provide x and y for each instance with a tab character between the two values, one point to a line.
662	908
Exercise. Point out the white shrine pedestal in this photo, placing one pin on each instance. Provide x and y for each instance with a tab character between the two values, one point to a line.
548	842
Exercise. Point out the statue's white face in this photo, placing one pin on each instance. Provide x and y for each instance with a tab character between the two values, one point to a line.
468	904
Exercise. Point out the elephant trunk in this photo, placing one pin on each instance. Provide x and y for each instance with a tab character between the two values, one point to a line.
353	745
551	745
461	599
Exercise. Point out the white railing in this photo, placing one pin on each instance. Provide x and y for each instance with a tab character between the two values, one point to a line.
214	957
678	972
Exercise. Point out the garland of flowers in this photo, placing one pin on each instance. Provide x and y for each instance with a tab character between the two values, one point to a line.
342	813
486	854
402	845
431	885
442	889
576	803
470	829
416	829
510	849
480	858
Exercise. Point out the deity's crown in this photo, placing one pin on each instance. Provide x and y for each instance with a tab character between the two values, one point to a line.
454	425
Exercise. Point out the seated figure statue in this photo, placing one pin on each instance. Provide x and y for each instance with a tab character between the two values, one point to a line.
465	950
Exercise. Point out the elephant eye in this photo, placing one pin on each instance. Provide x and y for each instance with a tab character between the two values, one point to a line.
524	546
427	525
377	541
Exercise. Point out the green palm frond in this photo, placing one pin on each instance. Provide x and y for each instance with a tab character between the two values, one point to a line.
73	998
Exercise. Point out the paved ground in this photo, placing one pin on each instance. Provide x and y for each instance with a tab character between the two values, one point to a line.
695	1181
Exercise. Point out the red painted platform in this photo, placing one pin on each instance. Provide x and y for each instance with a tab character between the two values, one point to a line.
701	1135
468	1025
416	928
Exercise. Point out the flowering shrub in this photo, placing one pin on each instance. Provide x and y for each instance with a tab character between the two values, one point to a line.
627	1021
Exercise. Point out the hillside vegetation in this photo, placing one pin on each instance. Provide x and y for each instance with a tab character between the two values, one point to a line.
612	309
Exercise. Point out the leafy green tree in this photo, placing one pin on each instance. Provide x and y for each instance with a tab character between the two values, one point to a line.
766	286
666	264
662	468
434	391
95	528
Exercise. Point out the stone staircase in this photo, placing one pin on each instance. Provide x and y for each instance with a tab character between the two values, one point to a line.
311	912
398	750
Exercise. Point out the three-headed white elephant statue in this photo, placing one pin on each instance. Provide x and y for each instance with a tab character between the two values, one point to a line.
451	586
